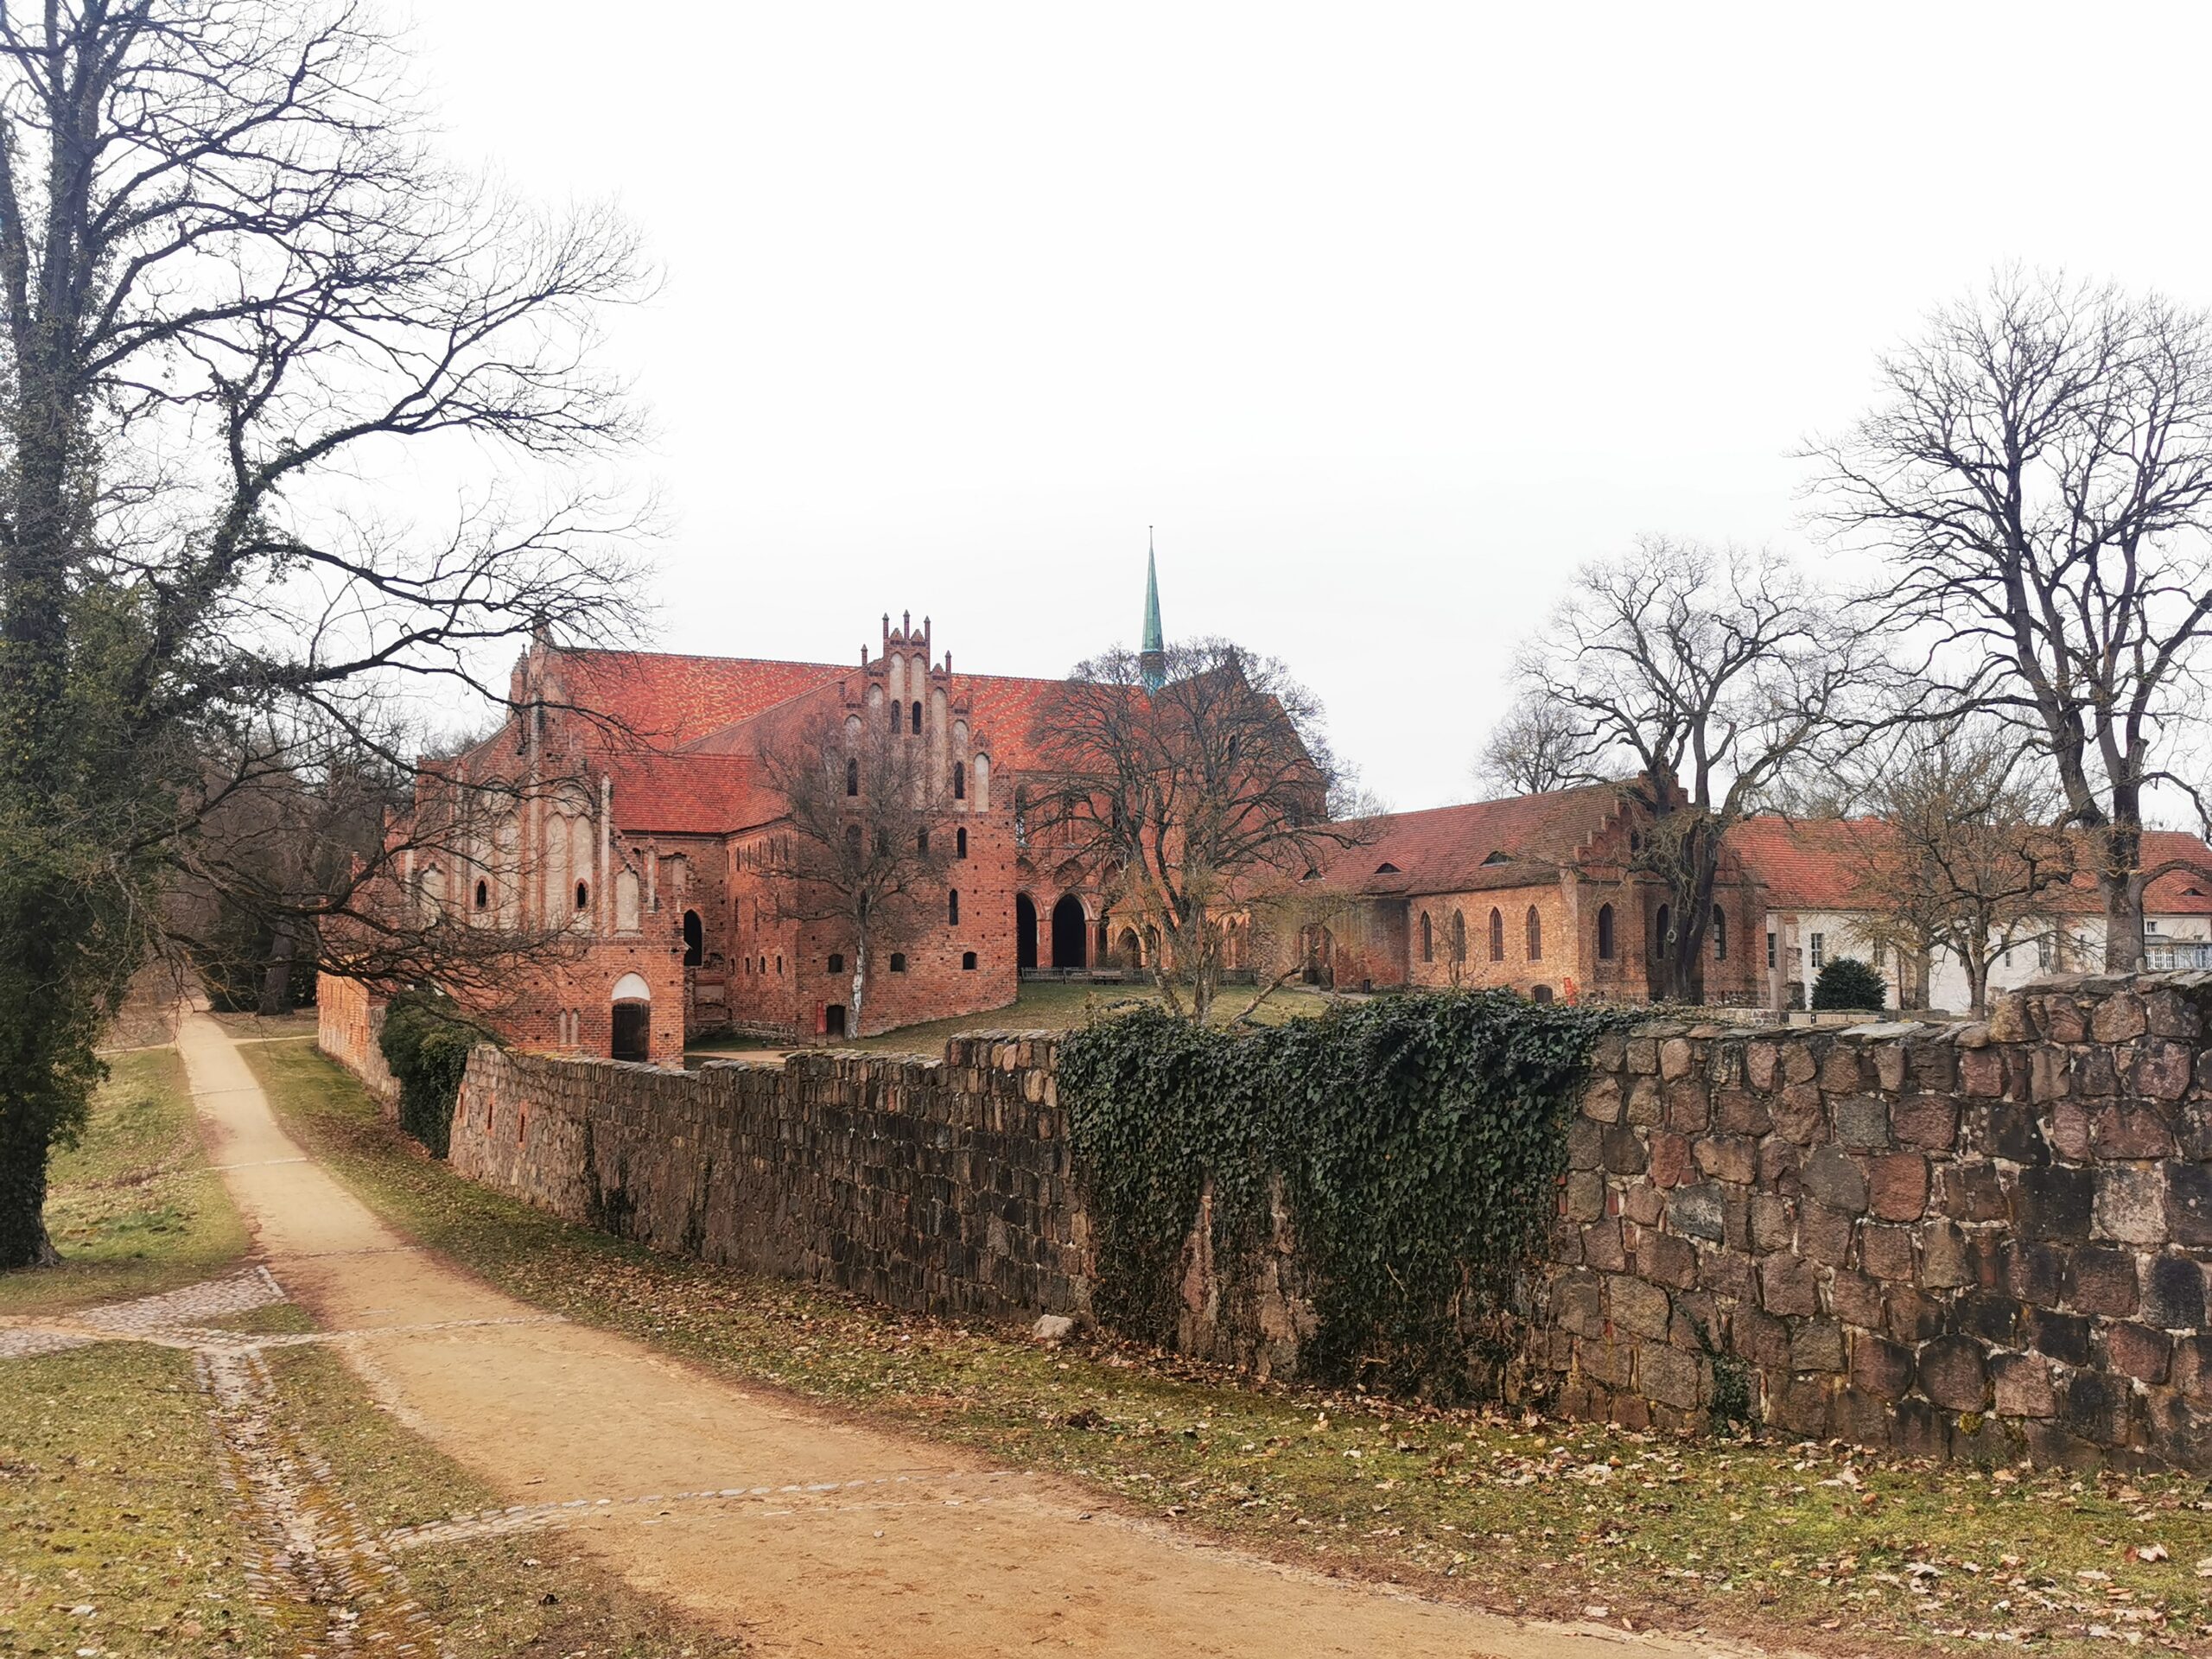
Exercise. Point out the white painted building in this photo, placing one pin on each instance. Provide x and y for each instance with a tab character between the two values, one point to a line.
1813	870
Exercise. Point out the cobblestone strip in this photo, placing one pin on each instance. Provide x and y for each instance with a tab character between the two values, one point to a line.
328	1585
240	1292
797	1497
29	1341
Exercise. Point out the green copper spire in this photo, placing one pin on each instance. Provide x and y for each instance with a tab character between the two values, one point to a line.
1151	656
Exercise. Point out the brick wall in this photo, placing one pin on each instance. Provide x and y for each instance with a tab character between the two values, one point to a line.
1980	1240
936	1187
1988	1240
347	1023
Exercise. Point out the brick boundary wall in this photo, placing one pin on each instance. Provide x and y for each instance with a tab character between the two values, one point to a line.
939	1187
348	1023
1986	1240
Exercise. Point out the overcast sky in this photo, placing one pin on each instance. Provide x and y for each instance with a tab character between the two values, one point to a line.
1386	316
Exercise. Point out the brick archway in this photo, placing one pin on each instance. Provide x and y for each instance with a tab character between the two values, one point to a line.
1070	933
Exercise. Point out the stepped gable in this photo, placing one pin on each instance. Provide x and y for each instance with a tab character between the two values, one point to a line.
1000	710
1480	845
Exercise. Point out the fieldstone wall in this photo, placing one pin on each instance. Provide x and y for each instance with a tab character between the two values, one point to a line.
1981	1239
940	1187
1988	1240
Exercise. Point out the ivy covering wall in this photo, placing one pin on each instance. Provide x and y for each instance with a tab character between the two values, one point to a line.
1416	1143
427	1043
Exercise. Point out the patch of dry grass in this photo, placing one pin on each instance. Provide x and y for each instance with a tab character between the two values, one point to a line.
133	1207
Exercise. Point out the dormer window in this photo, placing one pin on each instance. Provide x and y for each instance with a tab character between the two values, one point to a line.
1496	858
1386	868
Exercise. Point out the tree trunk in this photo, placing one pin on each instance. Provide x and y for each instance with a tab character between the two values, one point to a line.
277	976
1977	967
24	1243
2119	880
860	980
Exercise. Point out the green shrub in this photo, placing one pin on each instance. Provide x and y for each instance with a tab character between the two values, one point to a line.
1847	982
1418	1140
426	1042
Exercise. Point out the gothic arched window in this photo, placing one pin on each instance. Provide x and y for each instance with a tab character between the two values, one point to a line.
952	908
960	783
1458	937
918	720
852	777
1536	936
1427	939
1604	933
1497	936
1720	935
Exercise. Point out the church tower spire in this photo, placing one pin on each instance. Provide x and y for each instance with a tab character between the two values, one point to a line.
1151	656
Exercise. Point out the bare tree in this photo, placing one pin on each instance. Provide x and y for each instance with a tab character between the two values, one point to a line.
1963	857
1191	796
869	837
237	290
1536	748
2038	473
1702	675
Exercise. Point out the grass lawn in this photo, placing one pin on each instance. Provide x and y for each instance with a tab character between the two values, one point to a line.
301	1022
117	1531
1812	1546
120	1531
1041	1005
133	1207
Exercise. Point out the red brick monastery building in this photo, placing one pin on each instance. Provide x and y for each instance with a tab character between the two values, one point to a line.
641	832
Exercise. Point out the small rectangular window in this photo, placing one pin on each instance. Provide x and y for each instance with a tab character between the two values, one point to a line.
898	962
1819	941
1771	944
836	963
968	961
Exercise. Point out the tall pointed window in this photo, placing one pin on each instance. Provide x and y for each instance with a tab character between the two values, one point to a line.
852	777
1497	936
960	782
918	720
1427	939
1604	933
952	907
1536	936
1719	934
1458	937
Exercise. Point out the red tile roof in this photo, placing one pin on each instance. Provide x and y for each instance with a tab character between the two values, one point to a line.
686	794
1480	845
1823	864
1810	863
665	700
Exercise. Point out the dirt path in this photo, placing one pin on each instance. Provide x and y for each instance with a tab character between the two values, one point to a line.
817	1537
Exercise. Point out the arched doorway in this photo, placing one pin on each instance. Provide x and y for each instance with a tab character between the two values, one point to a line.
1071	932
1319	948
1131	953
633	1019
1025	931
